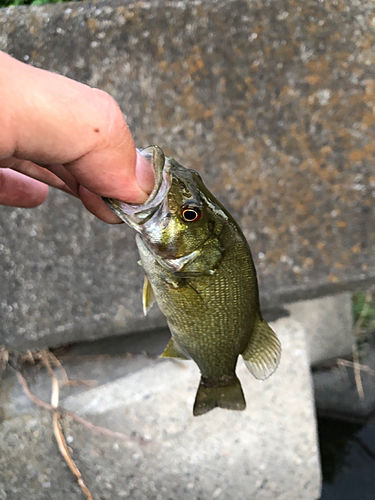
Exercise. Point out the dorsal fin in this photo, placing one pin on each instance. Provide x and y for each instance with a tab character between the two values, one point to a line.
262	354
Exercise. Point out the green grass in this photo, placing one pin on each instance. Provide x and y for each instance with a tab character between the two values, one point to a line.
364	309
364	319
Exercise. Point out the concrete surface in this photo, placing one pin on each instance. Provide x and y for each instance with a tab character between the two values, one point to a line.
269	451
271	101
328	323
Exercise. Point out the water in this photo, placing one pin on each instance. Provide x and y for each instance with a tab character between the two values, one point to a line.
348	459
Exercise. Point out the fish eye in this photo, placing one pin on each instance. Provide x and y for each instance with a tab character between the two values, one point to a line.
191	214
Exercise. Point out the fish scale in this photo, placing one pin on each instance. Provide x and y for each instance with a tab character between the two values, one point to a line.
198	266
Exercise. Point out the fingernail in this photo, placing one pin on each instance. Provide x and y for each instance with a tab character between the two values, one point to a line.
144	174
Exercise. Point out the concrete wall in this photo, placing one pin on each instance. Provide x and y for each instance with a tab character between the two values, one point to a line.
271	101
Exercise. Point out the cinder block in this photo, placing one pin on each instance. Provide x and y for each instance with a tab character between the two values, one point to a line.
328	323
267	452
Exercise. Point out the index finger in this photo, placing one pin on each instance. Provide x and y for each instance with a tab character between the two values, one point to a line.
55	120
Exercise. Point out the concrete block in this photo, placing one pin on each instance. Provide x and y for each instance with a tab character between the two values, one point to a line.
269	451
264	101
328	323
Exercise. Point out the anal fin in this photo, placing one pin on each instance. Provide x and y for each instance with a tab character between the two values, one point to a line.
173	351
262	354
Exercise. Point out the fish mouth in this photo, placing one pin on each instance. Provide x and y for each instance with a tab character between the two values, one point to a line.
135	215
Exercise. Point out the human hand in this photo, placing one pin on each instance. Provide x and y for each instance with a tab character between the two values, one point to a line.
57	132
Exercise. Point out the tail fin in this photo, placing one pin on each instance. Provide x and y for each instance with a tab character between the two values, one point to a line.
229	396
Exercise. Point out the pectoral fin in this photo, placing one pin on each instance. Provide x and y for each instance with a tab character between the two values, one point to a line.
262	355
173	351
148	297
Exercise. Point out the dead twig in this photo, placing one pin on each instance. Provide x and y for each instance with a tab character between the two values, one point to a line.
4	358
60	438
357	373
357	331
64	412
46	361
350	364
86	383
50	359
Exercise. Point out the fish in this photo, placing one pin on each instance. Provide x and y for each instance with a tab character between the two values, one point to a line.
199	268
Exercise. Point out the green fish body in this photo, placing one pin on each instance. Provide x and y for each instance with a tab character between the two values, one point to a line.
199	268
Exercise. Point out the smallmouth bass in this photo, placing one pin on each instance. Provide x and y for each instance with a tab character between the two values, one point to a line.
198	266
